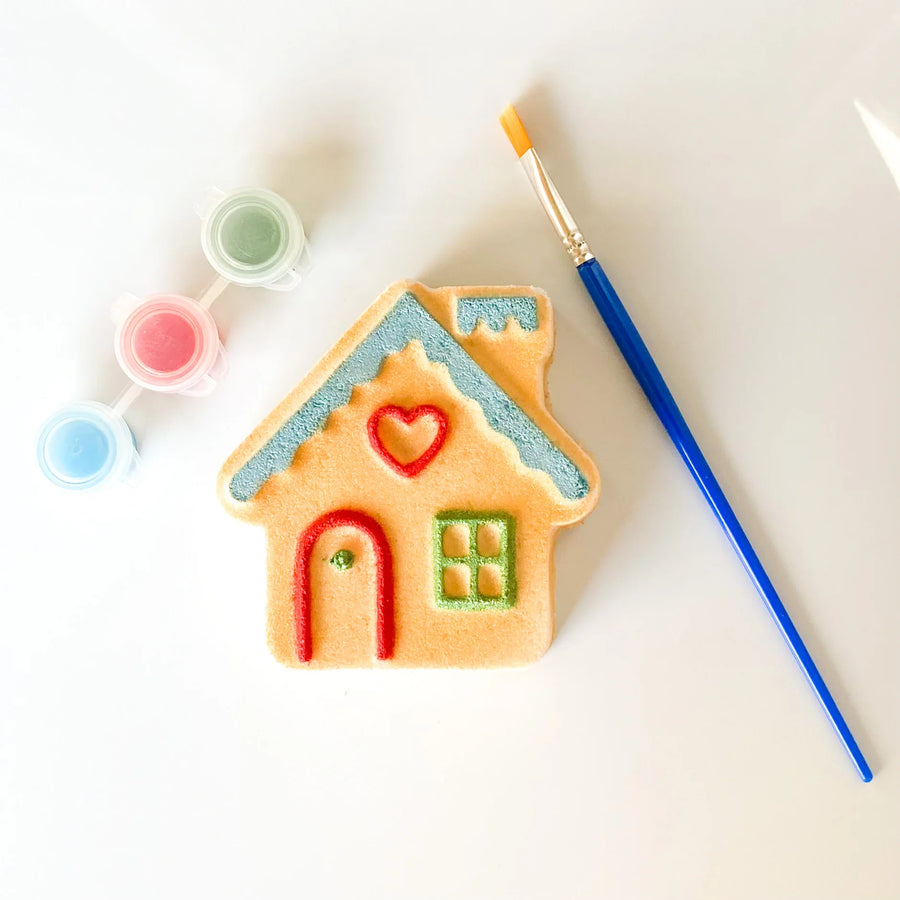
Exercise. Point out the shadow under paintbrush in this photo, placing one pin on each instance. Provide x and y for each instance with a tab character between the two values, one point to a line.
779	573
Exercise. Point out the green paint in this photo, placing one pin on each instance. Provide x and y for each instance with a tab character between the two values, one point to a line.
342	560
252	235
505	560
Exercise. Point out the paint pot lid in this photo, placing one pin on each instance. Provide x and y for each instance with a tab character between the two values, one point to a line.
85	445
252	236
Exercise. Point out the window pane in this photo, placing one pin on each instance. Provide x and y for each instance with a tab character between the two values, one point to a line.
489	541
490	581
456	540
456	581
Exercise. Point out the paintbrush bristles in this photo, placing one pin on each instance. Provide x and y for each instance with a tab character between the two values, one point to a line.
515	130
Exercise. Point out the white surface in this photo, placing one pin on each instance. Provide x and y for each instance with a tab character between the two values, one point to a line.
667	747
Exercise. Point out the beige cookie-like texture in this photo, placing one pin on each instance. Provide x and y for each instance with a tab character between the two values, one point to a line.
412	485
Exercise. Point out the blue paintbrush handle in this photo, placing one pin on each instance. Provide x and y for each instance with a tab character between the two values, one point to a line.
648	375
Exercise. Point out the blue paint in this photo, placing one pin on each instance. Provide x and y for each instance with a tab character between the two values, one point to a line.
409	321
84	445
496	312
78	450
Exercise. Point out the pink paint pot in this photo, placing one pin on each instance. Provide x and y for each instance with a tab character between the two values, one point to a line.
169	343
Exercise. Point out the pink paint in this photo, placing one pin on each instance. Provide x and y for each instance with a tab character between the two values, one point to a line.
165	342
170	343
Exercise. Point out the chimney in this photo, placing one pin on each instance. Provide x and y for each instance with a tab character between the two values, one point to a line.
510	335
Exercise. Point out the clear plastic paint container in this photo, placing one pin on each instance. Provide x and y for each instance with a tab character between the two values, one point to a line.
168	343
86	445
253	236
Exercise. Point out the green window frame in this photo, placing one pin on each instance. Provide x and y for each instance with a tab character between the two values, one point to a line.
474	561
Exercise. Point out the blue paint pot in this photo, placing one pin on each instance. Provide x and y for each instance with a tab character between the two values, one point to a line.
84	446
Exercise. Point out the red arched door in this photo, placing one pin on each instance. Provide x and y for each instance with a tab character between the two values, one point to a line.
384	580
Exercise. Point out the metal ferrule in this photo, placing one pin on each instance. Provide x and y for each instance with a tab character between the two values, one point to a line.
557	211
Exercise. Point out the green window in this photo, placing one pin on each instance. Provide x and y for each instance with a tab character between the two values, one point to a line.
474	560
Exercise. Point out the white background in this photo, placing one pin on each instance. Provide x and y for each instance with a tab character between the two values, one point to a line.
667	746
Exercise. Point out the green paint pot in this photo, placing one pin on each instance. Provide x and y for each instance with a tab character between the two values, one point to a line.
253	236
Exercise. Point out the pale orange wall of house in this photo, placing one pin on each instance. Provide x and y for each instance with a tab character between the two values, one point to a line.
476	470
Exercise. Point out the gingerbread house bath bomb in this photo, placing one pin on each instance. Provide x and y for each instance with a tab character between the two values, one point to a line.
412	485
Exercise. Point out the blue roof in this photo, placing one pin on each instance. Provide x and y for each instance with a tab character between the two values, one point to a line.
405	322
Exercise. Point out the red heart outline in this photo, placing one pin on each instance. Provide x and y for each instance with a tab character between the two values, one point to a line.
408	416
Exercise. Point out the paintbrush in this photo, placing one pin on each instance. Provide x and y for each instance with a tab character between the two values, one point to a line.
651	381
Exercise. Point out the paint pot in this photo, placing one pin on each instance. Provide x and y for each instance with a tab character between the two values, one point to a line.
168	343
86	445
254	237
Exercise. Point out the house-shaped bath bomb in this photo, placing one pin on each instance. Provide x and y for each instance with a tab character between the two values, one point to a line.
412	485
